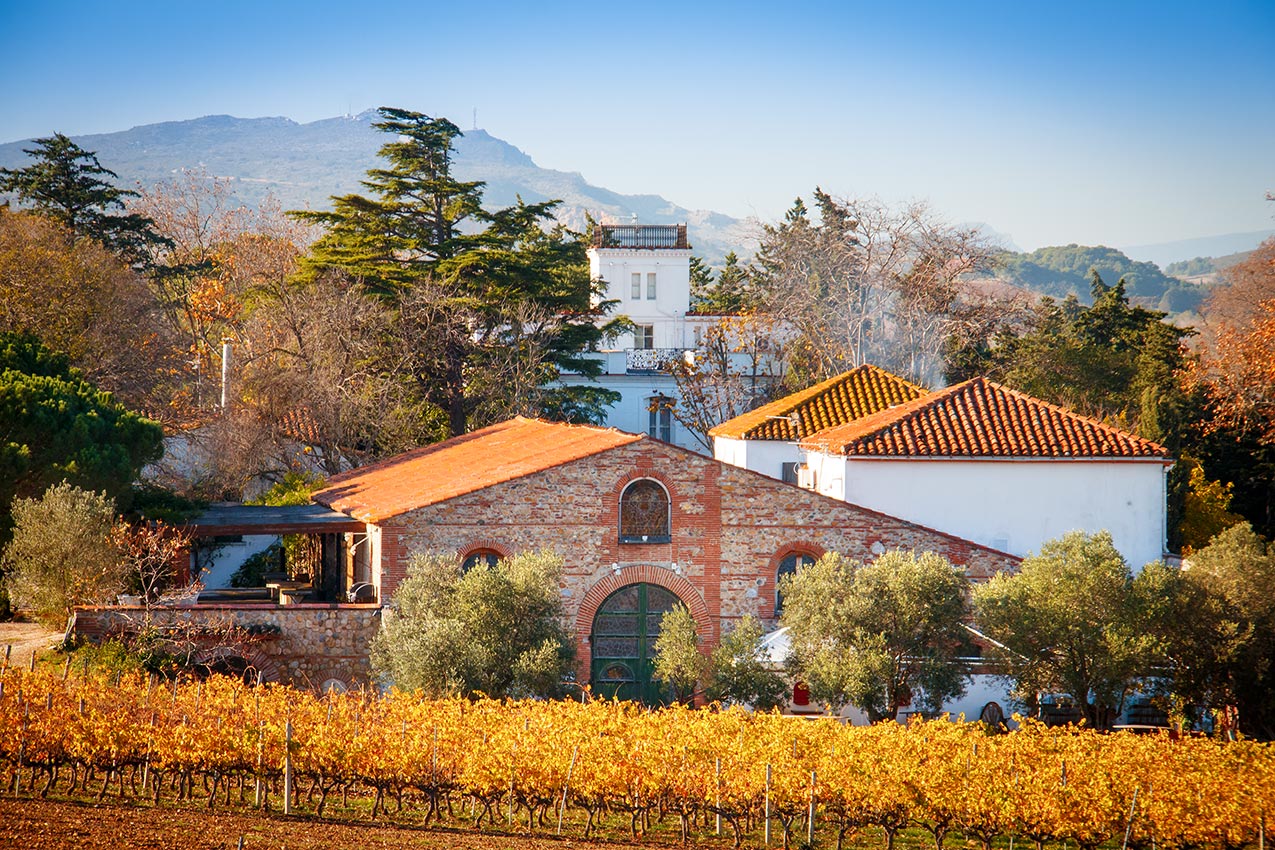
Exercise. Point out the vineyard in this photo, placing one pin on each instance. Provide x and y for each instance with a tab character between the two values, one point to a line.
569	768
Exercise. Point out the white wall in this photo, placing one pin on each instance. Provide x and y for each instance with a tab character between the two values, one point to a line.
228	557
765	456
666	313
631	412
1013	506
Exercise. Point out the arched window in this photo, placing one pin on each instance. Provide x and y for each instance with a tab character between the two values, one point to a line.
792	562
644	513
479	556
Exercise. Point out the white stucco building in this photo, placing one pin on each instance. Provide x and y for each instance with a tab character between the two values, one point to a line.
1000	468
767	440
647	270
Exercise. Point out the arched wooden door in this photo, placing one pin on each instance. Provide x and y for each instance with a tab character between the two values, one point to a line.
623	643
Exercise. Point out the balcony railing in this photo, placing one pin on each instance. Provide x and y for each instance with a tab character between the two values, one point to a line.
666	236
652	359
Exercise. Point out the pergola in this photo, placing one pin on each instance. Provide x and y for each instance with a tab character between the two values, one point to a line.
328	574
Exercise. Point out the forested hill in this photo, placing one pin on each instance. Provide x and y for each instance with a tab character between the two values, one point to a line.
302	165
1065	269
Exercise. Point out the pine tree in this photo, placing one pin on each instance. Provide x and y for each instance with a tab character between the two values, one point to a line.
495	306
66	183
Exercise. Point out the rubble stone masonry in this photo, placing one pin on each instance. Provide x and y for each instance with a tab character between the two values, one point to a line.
730	528
307	645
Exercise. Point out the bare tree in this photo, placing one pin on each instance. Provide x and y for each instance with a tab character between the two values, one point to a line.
867	283
152	554
740	363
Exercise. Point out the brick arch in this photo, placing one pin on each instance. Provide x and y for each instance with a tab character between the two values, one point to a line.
258	660
793	547
470	546
641	574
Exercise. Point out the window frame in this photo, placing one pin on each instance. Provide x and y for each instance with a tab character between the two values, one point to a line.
659	418
800	558
666	537
644	337
650	286
489	555
635	286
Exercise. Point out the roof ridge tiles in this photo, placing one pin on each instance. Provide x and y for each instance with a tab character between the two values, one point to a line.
862	391
981	418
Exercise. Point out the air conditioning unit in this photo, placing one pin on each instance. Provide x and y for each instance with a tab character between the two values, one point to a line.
805	476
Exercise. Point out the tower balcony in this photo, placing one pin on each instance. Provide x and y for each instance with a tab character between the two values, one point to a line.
641	236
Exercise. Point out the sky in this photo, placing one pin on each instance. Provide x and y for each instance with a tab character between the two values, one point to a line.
1097	123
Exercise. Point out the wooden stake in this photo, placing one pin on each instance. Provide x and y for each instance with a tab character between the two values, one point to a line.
287	768
718	785
1129	826
563	808
810	819
768	804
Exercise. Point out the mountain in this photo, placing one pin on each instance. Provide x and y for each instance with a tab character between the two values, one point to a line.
1165	253
1064	270
302	165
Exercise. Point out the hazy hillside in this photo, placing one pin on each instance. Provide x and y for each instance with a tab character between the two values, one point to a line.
1064	270
1166	253
302	165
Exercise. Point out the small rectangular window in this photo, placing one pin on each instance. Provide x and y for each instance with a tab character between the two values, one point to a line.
636	292
644	337
788	473
650	286
661	423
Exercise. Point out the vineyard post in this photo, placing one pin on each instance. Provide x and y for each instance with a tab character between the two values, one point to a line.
563	807
66	669
513	758
717	775
8	648
261	754
767	809
1261	830
810	819
33	661
1128	827
287	768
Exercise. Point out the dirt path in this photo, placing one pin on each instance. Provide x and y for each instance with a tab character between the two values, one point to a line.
34	824
23	638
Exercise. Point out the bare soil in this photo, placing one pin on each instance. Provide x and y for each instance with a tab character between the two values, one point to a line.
33	824
24	637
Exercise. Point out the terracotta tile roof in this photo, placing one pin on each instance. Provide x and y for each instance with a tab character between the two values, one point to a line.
849	396
979	418
445	470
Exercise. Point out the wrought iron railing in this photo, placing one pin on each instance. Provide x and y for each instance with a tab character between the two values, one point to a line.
652	359
640	236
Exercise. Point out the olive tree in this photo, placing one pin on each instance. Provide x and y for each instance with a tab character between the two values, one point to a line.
878	636
61	553
495	630
734	673
1068	622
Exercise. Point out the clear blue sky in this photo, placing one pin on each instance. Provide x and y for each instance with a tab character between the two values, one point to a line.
1108	122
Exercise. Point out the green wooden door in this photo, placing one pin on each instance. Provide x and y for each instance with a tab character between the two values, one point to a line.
623	643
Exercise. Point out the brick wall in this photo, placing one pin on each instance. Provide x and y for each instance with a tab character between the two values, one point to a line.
730	528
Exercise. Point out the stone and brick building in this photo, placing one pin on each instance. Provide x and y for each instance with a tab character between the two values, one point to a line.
640	524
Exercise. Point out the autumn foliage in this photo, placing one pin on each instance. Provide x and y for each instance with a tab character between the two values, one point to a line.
522	765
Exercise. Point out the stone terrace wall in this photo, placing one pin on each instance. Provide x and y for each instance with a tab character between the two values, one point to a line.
305	645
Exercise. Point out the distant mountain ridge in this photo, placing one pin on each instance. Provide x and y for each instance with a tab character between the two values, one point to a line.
303	165
1220	247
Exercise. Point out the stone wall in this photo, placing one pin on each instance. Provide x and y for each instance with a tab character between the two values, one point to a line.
306	645
730	528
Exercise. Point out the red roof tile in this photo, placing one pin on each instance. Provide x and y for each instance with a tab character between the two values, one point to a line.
979	418
849	396
464	464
